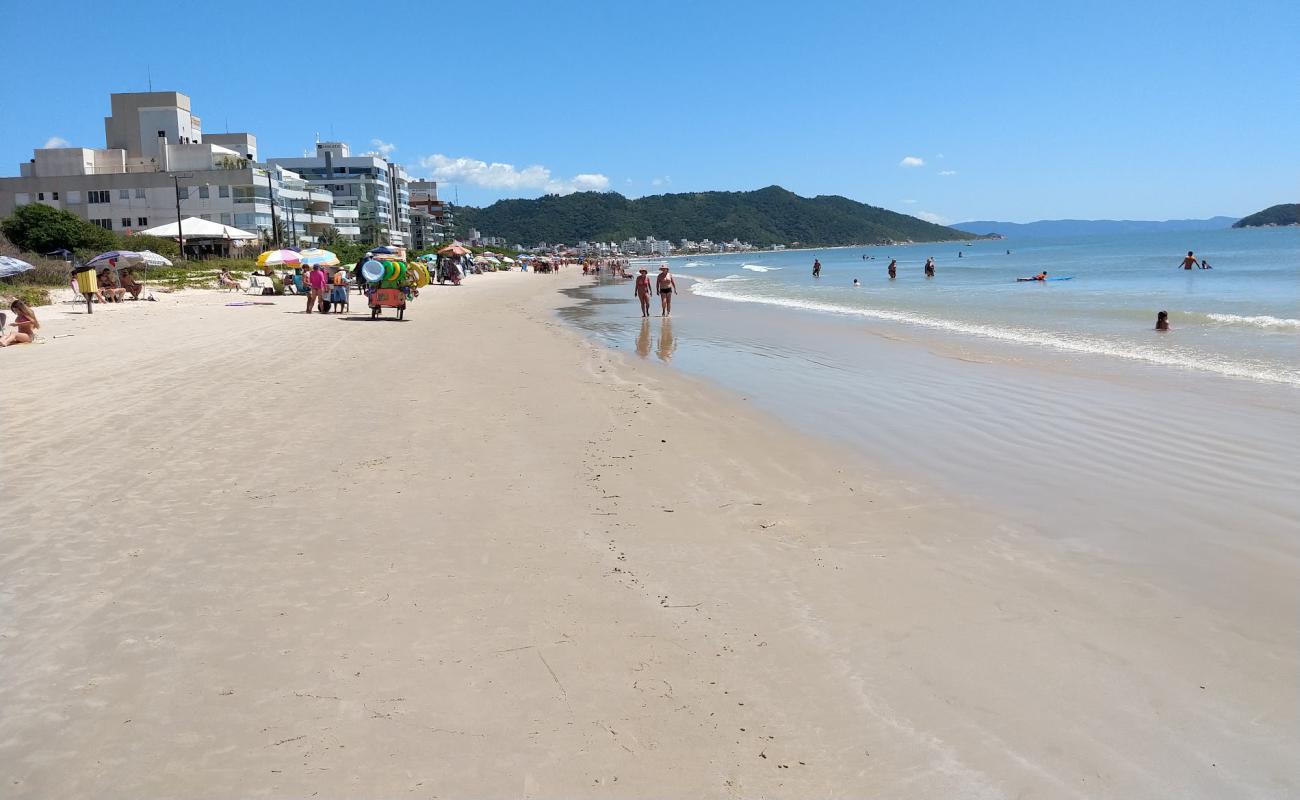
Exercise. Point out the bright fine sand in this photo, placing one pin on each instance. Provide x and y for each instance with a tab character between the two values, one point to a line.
252	553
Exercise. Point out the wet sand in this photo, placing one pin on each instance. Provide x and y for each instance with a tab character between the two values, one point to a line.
255	553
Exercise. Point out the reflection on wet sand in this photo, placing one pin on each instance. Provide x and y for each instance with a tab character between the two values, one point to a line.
667	342
643	339
664	347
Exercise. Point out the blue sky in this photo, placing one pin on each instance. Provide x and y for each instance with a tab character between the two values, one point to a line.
1015	111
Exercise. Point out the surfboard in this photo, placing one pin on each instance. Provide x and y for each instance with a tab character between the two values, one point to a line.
1035	280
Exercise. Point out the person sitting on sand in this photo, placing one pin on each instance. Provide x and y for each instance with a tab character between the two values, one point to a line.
24	320
1162	321
642	292
665	286
227	281
1189	262
131	285
109	288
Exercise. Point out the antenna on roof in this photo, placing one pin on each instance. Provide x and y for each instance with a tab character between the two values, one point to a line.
149	73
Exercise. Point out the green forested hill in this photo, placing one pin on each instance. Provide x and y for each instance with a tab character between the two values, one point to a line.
1284	214
764	217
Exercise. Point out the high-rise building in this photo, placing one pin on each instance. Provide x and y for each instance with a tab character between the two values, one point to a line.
370	188
157	161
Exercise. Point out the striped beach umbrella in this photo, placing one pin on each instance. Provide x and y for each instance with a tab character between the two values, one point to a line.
279	258
314	255
116	257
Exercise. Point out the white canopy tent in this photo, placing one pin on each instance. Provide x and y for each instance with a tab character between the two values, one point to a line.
198	228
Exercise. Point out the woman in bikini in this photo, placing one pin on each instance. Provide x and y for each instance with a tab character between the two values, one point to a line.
664	287
26	323
643	292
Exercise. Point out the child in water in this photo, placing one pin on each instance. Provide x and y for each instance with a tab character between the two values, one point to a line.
855	282
1162	321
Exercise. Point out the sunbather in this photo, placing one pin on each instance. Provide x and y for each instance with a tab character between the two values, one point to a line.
24	320
108	286
131	285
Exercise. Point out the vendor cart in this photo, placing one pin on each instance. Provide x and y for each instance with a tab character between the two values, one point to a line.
387	298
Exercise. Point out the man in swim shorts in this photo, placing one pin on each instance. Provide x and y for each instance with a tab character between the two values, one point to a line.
1190	261
665	286
642	292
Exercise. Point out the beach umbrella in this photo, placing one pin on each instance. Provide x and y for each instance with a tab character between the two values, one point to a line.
115	257
314	255
279	258
152	259
385	250
10	266
454	250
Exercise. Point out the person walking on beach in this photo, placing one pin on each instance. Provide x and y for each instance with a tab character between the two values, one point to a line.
664	287
642	292
1189	262
317	280
24	320
893	268
817	268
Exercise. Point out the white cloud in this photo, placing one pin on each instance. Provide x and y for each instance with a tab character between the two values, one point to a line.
912	161
55	141
938	155
947	172
664	181
507	177
383	148
910	202
930	216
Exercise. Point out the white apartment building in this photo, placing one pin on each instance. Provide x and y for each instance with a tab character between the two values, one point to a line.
368	189
156	156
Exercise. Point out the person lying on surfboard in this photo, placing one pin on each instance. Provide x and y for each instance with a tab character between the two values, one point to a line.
1042	276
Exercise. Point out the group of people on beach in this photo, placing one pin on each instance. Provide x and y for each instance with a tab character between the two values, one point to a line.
664	286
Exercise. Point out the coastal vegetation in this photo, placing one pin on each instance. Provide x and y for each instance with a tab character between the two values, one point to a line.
764	217
1283	214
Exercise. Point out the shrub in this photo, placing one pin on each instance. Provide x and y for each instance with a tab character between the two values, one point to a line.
38	228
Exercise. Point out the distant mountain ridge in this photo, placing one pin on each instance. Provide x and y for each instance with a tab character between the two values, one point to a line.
1283	214
764	217
1092	227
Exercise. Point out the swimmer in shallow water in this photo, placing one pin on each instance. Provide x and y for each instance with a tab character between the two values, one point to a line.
855	282
1162	321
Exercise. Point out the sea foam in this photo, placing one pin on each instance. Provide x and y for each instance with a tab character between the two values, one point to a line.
1029	336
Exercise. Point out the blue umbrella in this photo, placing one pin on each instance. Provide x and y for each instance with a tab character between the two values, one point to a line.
11	266
385	250
115	256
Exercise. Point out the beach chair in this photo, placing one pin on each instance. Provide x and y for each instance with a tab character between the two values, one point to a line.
259	285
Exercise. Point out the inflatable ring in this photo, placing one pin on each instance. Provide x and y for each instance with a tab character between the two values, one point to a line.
372	271
421	276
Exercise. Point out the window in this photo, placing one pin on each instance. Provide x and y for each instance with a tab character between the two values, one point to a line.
123	194
139	193
227	219
106	224
182	193
223	191
98	196
143	222
56	195
161	134
40	195
203	193
126	222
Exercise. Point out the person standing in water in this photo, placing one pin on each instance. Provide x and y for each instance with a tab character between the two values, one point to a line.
817	268
665	286
893	268
1162	321
929	267
1189	262
642	292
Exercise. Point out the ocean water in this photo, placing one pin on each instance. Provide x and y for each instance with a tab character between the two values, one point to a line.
1240	319
1056	406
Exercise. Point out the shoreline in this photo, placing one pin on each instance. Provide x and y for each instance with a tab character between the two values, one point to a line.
510	560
